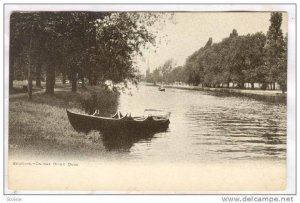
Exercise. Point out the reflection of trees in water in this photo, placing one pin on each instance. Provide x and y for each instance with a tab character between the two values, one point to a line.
115	141
123	141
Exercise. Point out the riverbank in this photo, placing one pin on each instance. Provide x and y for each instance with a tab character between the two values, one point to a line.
269	95
41	126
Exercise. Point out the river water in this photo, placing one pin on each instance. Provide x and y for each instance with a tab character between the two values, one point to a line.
205	127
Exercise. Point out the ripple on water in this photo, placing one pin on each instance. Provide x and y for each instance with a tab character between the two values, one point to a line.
209	127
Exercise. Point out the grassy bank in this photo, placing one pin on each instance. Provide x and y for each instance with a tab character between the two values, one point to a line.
20	86
41	126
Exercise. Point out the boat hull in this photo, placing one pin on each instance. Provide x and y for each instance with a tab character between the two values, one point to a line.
85	123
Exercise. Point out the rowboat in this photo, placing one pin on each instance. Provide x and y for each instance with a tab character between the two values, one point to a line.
161	88
152	120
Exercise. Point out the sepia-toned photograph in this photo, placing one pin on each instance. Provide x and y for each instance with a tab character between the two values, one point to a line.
115	101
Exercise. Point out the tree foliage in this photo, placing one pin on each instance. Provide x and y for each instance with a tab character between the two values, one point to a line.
276	52
98	46
236	60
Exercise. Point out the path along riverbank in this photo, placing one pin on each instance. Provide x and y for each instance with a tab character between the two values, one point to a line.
269	95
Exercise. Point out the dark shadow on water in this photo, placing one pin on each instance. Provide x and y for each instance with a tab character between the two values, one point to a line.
123	141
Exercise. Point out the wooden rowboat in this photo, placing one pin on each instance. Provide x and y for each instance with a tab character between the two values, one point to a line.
161	89
118	122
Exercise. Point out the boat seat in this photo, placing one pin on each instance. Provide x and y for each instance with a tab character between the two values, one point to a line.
96	113
118	114
128	116
139	118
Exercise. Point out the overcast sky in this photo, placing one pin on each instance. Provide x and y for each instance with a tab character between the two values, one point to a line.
192	30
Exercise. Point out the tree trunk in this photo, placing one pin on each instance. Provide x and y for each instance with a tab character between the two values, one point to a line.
29	87
95	79
90	81
74	85
74	81
240	85
283	87
29	67
82	82
263	86
252	85
11	70
64	77
38	78
50	80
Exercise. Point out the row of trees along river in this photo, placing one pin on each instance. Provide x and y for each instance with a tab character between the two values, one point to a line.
92	46
237	59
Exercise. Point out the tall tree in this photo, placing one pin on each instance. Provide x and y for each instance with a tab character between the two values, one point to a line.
233	34
93	45
23	28
208	43
275	50
254	58
166	69
20	32
282	76
195	64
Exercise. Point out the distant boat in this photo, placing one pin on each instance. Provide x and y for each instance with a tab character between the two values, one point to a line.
154	120
160	88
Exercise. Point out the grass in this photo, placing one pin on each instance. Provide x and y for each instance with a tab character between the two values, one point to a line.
18	86
41	126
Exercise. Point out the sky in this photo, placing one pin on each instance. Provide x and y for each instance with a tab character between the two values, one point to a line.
189	31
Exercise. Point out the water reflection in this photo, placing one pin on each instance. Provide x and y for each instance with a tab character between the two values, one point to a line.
123	141
207	126
203	126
